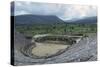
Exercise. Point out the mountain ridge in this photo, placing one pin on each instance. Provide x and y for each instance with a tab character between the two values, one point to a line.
37	19
86	20
49	19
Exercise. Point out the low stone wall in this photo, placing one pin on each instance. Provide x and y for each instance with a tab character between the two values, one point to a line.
56	39
66	38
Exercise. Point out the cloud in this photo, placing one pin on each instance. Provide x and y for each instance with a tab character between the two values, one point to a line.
78	11
63	11
21	12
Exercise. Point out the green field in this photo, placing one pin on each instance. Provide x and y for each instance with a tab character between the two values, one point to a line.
32	30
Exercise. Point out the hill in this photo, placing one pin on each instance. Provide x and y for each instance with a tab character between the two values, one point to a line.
36	19
50	19
88	20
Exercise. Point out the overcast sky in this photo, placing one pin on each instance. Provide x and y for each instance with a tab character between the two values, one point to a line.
63	11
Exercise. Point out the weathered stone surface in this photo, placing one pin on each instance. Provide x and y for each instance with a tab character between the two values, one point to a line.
85	50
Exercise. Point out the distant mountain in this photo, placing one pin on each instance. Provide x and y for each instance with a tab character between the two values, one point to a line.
36	19
49	19
88	20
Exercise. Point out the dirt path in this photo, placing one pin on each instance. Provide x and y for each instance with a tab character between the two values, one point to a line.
47	49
